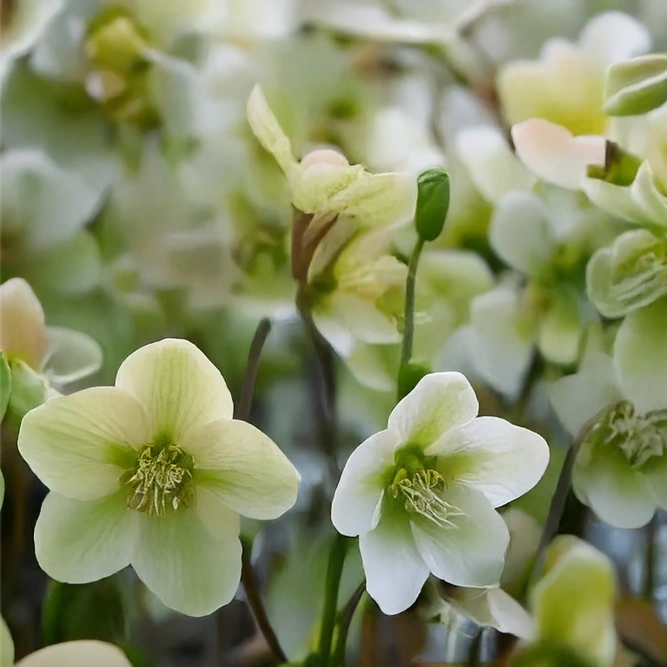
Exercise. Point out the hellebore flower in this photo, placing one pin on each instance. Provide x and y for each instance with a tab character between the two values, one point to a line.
153	472
421	494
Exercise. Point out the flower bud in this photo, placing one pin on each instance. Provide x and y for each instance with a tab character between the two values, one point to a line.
432	203
636	86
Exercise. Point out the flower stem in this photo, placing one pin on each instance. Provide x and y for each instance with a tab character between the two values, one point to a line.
250	376
344	621
332	584
409	310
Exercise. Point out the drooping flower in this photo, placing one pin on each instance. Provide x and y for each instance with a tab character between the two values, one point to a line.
421	494
573	607
153	472
621	468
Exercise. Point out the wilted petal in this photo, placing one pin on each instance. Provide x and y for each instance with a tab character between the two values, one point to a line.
81	653
191	559
243	467
358	498
79	445
439	402
81	541
177	385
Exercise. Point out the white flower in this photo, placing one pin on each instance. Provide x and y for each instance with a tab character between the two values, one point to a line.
153	472
421	494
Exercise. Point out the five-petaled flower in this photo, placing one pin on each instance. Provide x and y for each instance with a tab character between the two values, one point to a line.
421	494
153	472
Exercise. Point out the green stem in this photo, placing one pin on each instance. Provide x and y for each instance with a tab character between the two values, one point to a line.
334	573
338	656
409	309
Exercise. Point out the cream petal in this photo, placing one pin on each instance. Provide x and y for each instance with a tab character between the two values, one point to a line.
177	385
191	559
439	402
81	653
500	460
640	356
81	541
22	327
357	502
471	552
364	320
71	356
614	36
243	467
79	445
551	152
395	572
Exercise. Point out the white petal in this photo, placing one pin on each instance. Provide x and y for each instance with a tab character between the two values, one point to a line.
655	470
22	328
616	200
78	542
525	533
551	152
364	320
79	445
191	559
81	653
395	572
179	387
470	553
620	495
71	356
561	328
579	397
243	467
491	165
495	457
6	645
614	36
640	356
358	498
439	402
647	195
520	233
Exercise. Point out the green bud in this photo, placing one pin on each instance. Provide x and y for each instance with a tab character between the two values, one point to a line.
29	390
432	203
636	86
5	384
409	375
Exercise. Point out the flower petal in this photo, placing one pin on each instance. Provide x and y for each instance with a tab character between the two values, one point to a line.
179	387
364	320
561	328
78	445
655	470
81	653
604	480
78	542
71	356
357	502
495	457
520	232
6	645
22	328
645	192
191	559
470	553
614	36
395	572
243	467
551	152
439	402
640	356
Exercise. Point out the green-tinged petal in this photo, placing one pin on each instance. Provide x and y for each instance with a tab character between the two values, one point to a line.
71	356
573	603
191	559
604	480
616	200
6	645
357	502
579	397
29	390
78	445
314	188
655	470
177	385
494	608
551	152
640	356
5	384
520	233
439	402
472	551
81	653
243	467
363	319
22	327
500	460
81	541
395	572
636	86
561	329
525	534
268	131
491	165
374	366
645	192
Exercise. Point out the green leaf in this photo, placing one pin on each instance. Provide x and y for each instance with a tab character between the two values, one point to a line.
432	203
636	86
5	384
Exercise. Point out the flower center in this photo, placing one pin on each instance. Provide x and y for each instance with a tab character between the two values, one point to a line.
639	437
421	493
161	480
642	274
